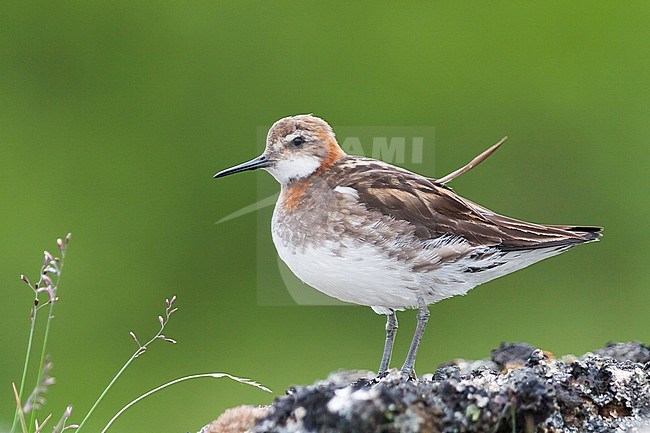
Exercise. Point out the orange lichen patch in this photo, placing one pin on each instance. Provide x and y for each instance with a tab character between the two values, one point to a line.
292	195
516	365
510	366
334	152
549	355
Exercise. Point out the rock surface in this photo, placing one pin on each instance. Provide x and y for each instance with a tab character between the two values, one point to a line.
519	389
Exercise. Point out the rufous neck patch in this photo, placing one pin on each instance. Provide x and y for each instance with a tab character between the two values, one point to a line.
334	152
293	193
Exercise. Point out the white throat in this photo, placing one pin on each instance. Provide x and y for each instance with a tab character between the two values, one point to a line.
294	168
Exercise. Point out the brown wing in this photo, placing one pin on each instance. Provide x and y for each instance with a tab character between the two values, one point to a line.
435	210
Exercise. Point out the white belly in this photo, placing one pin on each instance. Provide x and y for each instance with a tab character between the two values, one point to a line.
360	275
363	275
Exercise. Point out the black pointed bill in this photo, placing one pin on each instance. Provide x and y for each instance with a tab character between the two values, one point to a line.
259	162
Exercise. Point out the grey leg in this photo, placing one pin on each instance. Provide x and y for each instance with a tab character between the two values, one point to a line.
391	330
423	318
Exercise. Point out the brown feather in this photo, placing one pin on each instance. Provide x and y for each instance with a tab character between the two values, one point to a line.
436	211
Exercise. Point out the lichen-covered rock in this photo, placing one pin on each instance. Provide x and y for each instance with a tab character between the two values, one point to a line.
632	351
520	389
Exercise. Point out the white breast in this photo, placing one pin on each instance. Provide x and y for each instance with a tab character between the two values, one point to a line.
360	275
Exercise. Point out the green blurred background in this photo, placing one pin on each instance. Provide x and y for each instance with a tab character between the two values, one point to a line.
115	115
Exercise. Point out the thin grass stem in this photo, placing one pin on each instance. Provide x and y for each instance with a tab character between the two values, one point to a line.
108	387
19	407
43	355
140	350
33	315
182	379
25	368
47	328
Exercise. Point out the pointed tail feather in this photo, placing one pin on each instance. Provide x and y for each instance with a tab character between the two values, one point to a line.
589	233
574	235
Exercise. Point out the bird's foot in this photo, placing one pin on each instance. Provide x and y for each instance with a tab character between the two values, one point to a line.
409	375
382	374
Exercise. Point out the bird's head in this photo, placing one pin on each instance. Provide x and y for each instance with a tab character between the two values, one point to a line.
296	147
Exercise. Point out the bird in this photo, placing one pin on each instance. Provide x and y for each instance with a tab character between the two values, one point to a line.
370	233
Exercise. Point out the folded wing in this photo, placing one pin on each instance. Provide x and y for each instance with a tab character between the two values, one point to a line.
435	210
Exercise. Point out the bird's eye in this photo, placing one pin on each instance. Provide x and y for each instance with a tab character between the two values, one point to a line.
297	142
